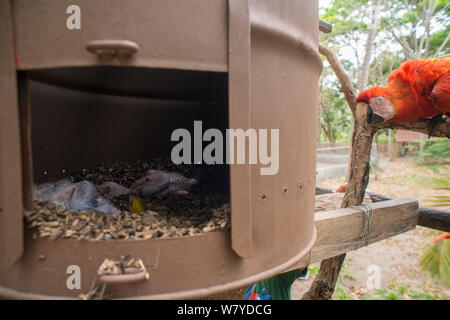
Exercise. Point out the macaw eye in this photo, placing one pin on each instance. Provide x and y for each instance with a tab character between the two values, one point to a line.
108	187
379	99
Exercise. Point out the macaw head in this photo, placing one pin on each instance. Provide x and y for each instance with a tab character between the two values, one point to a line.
379	104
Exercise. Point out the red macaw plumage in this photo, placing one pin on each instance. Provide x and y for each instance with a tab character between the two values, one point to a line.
418	89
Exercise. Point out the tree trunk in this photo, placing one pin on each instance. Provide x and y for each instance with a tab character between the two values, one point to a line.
323	285
364	73
328	132
325	281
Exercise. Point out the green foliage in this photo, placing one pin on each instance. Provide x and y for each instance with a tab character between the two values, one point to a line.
408	19
437	149
435	183
402	292
436	256
313	269
437	39
335	116
441	201
341	294
436	260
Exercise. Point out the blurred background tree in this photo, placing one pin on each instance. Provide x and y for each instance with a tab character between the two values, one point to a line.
372	38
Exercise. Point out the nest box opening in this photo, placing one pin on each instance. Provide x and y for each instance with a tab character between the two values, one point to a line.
108	123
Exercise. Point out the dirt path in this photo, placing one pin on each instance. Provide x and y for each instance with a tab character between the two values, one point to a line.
398	258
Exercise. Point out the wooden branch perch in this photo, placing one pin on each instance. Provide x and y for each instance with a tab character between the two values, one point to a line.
441	129
344	80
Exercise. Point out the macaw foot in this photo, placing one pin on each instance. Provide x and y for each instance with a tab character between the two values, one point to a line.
434	122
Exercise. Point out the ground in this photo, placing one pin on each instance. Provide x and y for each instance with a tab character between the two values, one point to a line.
398	258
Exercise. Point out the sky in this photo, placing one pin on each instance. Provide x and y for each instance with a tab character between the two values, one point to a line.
324	3
346	53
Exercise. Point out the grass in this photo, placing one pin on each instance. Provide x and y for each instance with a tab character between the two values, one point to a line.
438	201
434	183
435	165
340	292
402	292
313	269
436	259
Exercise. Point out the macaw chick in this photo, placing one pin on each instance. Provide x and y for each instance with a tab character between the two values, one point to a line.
418	89
111	189
51	192
161	183
85	198
77	196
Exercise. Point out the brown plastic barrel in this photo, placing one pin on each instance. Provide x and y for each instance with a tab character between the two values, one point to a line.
268	51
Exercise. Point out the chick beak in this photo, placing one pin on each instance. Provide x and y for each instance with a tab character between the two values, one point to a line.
372	117
135	203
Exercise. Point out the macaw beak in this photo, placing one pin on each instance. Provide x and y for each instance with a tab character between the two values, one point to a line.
372	117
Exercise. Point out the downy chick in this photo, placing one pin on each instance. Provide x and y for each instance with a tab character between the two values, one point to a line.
161	183
85	197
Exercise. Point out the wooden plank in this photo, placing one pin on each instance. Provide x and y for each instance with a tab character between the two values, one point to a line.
11	207
428	217
325	26
434	219
340	231
239	118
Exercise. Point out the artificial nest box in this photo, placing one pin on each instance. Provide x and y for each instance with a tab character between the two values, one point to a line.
230	64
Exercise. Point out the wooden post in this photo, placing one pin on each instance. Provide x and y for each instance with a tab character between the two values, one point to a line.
11	202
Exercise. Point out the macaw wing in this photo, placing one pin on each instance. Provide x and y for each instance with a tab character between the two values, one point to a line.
441	93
